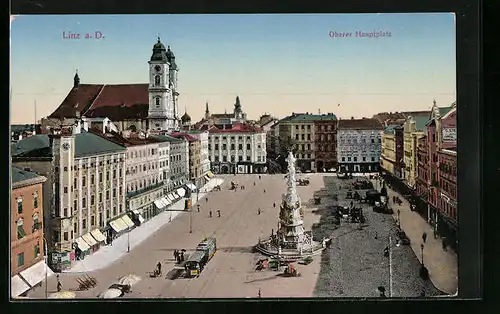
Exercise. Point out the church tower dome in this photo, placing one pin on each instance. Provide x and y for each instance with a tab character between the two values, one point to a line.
185	118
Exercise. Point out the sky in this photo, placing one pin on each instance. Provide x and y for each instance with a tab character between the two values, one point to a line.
275	63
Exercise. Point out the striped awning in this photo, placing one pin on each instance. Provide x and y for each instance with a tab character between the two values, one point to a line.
159	203
128	221
82	245
207	177
118	225
18	286
181	192
97	234
89	239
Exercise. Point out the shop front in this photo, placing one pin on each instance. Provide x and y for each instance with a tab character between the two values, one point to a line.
98	236
137	217
81	248
93	244
35	274
60	261
118	227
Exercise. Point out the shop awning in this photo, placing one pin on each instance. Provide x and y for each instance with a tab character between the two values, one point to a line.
36	273
18	286
210	174
159	204
207	177
82	245
165	200
97	234
122	223
89	239
117	227
128	221
139	216
191	186
172	197
181	192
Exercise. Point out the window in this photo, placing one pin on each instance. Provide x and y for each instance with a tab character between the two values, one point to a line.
75	227
121	190
296	127
35	200
19	205
84	223
296	136
240	158
114	210
248	146
240	146
84	202
308	127
92	179
20	229
157	80
36	250
92	199
65	169
107	193
364	158
100	177
66	236
84	181
75	183
65	212
216	146
20	259
92	220
65	189
157	102
373	141
224	146
303	136
355	158
302	127
56	236
348	158
248	158
101	222
232	146
224	158
308	137
114	192
373	158
36	222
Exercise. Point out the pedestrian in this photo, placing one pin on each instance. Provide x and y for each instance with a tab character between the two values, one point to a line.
253	183
264	191
386	251
158	267
274	205
182	256
260	293
381	291
259	177
59	286
422	293
198	207
258	211
218	212
445	244
210	214
424	236
176	254
206	200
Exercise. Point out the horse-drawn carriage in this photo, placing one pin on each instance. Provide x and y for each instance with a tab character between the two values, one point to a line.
234	185
303	182
217	188
86	282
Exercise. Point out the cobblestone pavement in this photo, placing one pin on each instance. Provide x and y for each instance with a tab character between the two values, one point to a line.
231	272
354	265
442	265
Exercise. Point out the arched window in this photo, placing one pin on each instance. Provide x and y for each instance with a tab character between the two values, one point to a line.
20	229
157	102
157	80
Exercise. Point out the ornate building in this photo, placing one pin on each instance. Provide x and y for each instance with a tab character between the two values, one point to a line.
137	107
222	119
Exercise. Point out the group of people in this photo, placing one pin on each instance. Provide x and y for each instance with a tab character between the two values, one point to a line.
179	256
210	213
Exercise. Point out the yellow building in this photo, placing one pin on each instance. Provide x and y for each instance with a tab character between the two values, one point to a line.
414	129
388	154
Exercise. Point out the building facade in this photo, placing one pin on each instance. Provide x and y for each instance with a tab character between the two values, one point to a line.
196	175
87	175
239	149
447	204
422	181
325	142
359	145
388	153
179	160
413	129
137	107
203	138
27	265
221	120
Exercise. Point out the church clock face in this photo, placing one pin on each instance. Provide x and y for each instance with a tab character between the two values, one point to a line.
158	68
65	146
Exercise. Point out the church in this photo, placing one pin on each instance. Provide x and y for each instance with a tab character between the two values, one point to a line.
152	107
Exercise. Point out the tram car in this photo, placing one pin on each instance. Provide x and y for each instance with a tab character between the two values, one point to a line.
200	257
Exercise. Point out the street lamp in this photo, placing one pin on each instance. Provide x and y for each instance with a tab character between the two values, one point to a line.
190	220
128	240
399	220
46	258
422	250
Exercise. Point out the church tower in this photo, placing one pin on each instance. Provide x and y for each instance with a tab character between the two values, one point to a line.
207	112
163	112
238	113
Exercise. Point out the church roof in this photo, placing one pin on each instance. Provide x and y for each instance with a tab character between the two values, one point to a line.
185	117
360	124
98	100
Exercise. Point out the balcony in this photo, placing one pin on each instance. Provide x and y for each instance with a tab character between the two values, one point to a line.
147	189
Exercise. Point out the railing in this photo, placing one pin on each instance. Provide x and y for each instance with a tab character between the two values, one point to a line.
149	188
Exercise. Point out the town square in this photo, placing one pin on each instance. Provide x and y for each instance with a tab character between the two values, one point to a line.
176	171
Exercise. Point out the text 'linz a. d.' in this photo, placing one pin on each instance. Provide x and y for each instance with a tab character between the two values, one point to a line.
71	35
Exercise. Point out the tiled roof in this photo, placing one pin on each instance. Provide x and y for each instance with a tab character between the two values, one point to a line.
86	144
117	102
79	99
236	128
19	176
360	124
304	117
124	141
167	138
420	122
444	110
382	117
184	135
19	128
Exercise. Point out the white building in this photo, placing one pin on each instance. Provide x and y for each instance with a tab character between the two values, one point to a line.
359	145
239	149
178	160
